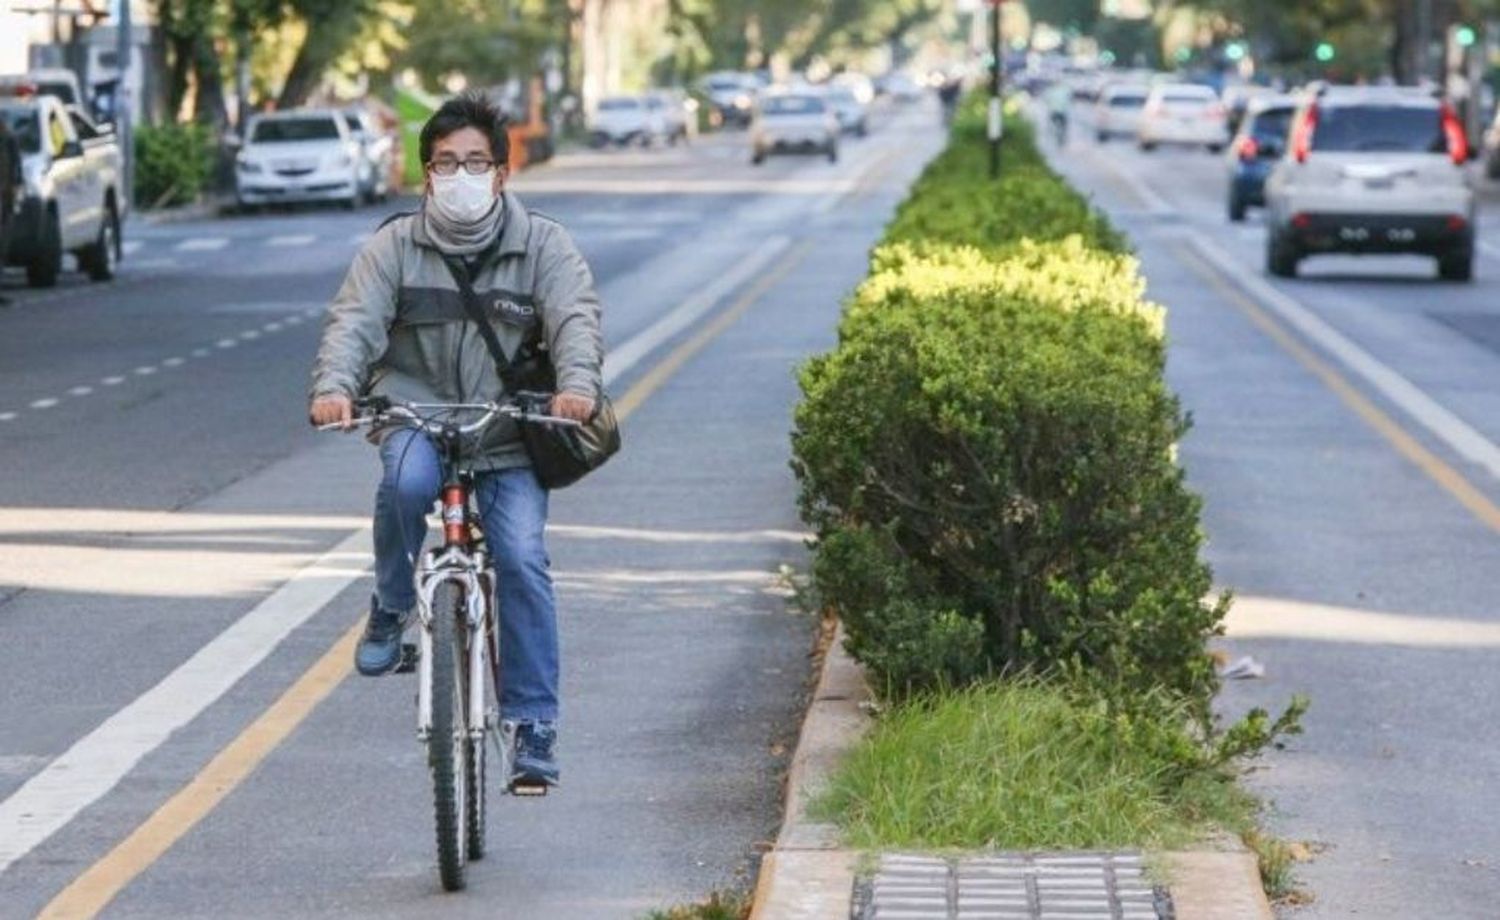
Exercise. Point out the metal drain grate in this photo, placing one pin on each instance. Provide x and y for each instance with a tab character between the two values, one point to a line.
1005	886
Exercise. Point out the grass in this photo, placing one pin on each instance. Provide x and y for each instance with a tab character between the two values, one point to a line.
719	906
1022	766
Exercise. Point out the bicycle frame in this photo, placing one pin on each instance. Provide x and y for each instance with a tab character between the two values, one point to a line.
460	562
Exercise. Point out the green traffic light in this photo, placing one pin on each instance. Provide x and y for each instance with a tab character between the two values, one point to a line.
1235	51
1324	52
1465	36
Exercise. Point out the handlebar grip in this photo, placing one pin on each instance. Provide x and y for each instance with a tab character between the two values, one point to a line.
373	404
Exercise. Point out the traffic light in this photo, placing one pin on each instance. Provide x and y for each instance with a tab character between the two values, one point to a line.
1324	52
1465	36
1235	51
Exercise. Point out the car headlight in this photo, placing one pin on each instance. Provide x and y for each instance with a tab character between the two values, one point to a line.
742	101
342	161
249	166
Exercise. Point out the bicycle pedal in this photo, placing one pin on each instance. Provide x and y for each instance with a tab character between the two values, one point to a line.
528	789
409	658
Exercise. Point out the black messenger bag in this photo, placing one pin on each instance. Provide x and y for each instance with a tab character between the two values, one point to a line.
560	454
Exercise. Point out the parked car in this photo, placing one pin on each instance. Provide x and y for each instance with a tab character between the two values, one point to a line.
793	122
732	95
1118	111
1257	147
71	199
1372	170
853	117
860	85
1492	148
301	155
377	151
623	120
45	81
1183	113
677	113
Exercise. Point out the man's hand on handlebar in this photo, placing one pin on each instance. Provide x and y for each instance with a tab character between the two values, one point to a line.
332	409
573	406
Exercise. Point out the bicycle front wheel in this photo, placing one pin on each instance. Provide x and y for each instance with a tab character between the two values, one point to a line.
448	741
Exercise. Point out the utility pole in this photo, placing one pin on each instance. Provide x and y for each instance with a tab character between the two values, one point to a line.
124	104
997	87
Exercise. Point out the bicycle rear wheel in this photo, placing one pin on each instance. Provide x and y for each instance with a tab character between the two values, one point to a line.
448	741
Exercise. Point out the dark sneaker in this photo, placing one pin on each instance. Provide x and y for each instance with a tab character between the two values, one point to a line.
535	763
379	652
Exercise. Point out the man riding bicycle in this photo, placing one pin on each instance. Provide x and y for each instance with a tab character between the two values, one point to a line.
398	328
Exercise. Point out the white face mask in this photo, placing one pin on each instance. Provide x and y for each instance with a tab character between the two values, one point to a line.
464	198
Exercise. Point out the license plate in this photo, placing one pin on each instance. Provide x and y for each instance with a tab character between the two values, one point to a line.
1380	185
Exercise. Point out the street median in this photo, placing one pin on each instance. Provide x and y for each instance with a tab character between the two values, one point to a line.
988	461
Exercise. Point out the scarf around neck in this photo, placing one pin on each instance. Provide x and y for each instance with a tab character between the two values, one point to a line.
461	239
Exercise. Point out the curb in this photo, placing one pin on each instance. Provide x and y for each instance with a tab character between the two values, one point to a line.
806	876
198	210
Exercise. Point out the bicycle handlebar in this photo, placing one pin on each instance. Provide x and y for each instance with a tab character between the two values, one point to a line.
383	410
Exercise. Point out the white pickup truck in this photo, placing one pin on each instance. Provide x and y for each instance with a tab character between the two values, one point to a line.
71	198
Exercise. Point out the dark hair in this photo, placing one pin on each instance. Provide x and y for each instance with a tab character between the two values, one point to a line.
471	109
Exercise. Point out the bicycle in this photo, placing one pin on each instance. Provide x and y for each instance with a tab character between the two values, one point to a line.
457	653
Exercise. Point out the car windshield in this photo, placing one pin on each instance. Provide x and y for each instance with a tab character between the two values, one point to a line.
723	85
1127	102
1187	99
22	122
792	105
1379	128
282	130
619	105
1271	124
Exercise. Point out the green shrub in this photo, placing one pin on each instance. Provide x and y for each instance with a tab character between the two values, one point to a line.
992	440
173	163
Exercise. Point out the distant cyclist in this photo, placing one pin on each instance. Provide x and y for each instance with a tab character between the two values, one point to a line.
1059	98
398	328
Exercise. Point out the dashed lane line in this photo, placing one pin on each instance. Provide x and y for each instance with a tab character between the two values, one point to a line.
291	240
131	247
202	245
47	403
8	416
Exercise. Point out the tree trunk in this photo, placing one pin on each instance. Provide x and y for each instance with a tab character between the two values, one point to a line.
211	109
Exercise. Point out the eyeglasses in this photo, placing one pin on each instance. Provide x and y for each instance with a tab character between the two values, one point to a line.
448	166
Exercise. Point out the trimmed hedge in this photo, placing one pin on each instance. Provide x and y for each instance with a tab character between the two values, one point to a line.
173	163
987	456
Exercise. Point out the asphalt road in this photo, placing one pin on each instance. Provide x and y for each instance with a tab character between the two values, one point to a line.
181	553
1345	445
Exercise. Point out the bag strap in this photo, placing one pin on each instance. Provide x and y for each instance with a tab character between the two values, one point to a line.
472	307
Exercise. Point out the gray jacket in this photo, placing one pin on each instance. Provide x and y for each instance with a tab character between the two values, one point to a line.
397	326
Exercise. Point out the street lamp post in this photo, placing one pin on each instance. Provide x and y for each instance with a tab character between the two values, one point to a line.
997	81
123	55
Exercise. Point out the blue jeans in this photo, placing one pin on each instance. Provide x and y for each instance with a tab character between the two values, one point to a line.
513	506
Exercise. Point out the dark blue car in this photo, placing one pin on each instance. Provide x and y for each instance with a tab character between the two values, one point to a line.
1255	149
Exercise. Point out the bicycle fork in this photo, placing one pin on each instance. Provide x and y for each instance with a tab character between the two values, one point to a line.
453	565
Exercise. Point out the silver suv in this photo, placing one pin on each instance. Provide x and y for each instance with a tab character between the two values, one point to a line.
1372	170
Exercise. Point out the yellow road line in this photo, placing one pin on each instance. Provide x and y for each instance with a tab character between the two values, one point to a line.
92	891
1439	471
98	885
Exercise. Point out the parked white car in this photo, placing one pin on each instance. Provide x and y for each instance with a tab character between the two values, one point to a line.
1372	170
1183	113
670	110
377	151
793	122
71	200
623	120
299	155
1118	111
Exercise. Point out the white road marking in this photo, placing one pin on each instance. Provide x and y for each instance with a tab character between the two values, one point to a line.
174	362
131	247
97	762
250	335
1489	249
293	321
1153	202
621	359
112	381
100	759
139	264
7	416
201	352
205	245
47	403
271	327
1437	419
146	370
359	239
226	343
298	239
80	391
